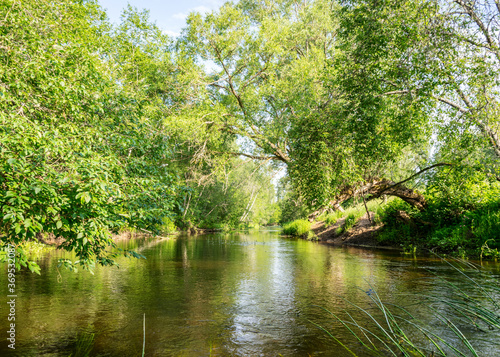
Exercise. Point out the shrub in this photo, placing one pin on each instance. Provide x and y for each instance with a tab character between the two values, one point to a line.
352	215
485	225
168	226
297	228
350	220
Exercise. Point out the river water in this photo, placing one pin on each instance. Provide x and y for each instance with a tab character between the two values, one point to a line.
239	294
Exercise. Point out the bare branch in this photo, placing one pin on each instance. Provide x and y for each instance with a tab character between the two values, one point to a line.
413	176
253	157
450	103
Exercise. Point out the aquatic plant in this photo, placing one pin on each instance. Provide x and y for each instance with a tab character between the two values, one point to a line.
84	344
471	300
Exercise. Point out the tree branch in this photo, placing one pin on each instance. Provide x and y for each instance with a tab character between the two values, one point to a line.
254	157
413	176
474	16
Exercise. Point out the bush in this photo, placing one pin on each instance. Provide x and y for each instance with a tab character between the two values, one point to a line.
352	215
297	228
485	225
395	232
350	220
168	226
451	223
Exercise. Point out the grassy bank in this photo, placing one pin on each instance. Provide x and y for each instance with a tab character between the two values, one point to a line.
299	228
466	226
460	230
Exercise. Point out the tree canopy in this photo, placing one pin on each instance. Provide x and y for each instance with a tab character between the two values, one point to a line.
106	128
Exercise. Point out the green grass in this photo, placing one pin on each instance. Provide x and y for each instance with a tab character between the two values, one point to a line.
445	227
350	221
84	344
331	218
299	227
351	214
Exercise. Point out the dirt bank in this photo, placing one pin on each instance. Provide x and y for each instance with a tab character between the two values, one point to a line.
362	234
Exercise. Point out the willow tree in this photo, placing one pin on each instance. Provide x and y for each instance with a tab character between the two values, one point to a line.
276	82
443	55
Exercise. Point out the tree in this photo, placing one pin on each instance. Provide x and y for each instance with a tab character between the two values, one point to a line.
79	151
440	58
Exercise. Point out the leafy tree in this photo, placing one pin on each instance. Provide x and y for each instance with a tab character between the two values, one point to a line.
281	85
79	159
437	58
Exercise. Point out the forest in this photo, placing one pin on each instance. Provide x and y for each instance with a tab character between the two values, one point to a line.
263	112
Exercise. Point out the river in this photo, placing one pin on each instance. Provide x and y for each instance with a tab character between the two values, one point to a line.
239	294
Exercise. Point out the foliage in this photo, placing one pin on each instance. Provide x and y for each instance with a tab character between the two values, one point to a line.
80	157
331	218
234	193
168	226
290	202
353	211
299	228
462	216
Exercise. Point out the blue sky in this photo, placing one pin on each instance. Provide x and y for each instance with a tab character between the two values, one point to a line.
169	15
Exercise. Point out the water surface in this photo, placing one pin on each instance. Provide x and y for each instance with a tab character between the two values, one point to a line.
237	294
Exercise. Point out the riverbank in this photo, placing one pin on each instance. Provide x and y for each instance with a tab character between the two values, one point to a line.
362	234
52	240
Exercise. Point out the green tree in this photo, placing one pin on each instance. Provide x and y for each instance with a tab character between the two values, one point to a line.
79	159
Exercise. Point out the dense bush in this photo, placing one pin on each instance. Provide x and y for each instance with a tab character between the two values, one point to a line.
80	156
462	221
299	227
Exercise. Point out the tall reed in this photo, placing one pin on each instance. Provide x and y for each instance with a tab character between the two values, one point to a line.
470	300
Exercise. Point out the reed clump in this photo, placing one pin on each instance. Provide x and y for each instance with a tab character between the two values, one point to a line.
458	307
298	228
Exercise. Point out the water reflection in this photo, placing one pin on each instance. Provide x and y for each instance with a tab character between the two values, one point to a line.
219	295
265	300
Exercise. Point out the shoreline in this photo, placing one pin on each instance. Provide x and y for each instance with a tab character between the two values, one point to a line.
362	234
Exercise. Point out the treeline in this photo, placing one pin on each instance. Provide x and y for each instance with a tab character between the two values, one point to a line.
105	128
97	136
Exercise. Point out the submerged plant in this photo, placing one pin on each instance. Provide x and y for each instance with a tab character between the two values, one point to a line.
84	344
457	305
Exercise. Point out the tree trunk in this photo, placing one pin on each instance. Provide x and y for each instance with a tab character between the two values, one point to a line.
376	189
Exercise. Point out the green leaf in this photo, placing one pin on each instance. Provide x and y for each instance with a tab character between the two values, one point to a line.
59	224
34	267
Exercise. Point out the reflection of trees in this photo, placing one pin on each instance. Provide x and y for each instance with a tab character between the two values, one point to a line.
245	295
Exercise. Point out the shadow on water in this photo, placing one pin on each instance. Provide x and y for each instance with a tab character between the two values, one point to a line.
244	294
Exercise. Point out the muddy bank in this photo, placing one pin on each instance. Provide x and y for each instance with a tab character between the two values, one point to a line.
52	240
362	234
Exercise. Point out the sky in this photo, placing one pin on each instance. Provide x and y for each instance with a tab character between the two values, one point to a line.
169	15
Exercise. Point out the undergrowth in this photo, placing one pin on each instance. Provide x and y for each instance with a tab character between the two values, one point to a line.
298	228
